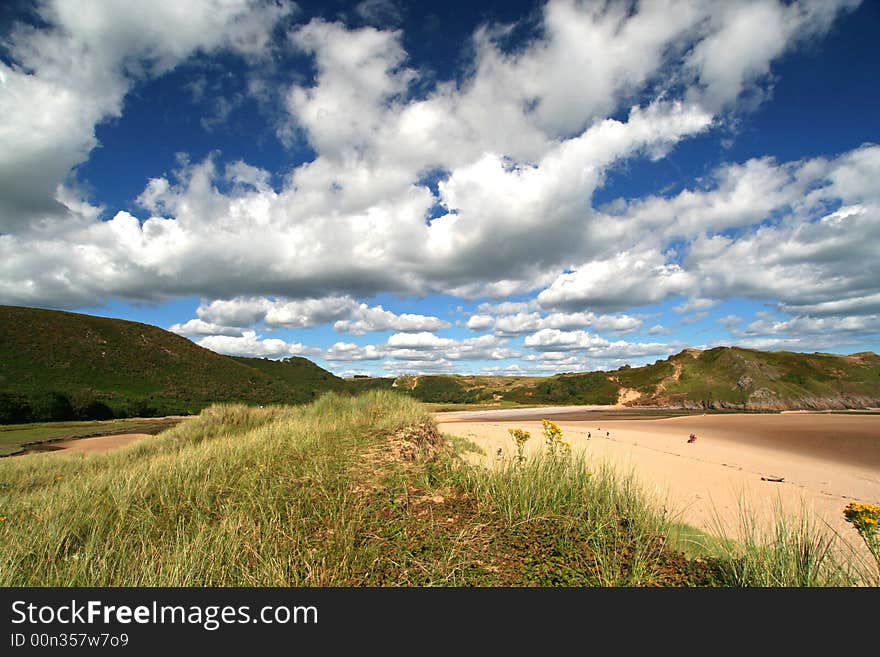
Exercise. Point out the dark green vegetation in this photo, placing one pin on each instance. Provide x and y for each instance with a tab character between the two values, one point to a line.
352	491
66	366
15	438
304	379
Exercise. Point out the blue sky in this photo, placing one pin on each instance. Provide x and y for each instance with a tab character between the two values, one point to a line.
510	187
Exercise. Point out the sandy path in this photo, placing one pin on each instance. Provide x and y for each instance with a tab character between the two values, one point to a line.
826	461
96	443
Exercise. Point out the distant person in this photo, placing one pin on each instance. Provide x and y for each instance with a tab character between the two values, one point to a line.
692	438
608	434
589	435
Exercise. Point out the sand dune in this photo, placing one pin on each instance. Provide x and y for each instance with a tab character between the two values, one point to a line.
825	460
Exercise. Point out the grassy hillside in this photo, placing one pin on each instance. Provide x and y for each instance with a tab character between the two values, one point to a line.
300	375
60	365
352	491
731	377
63	366
724	377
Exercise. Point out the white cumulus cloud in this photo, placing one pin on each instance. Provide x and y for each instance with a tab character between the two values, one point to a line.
365	319
628	279
554	340
252	345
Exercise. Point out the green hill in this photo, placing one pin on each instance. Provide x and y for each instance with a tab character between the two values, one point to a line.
723	377
62	365
58	365
301	375
732	377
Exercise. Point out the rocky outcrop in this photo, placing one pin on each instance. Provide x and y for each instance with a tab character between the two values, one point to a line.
773	403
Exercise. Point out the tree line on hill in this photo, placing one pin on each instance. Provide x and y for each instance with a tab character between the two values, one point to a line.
54	406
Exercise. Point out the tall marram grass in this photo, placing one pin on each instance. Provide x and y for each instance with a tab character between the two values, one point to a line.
320	495
616	533
794	550
239	495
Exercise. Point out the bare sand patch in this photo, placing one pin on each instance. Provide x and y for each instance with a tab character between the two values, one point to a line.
824	461
532	413
97	444
627	395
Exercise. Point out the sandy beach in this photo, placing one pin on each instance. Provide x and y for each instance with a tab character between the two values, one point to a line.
824	460
94	444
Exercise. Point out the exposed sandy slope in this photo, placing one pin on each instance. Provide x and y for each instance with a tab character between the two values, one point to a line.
98	443
826	460
627	395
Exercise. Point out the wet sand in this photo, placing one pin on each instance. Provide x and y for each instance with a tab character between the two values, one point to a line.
825	460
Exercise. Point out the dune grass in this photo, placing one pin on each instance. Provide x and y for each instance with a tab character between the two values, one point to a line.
348	492
796	551
238	495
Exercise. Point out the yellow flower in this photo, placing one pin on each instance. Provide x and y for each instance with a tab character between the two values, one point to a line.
553	434
864	518
520	437
2	518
